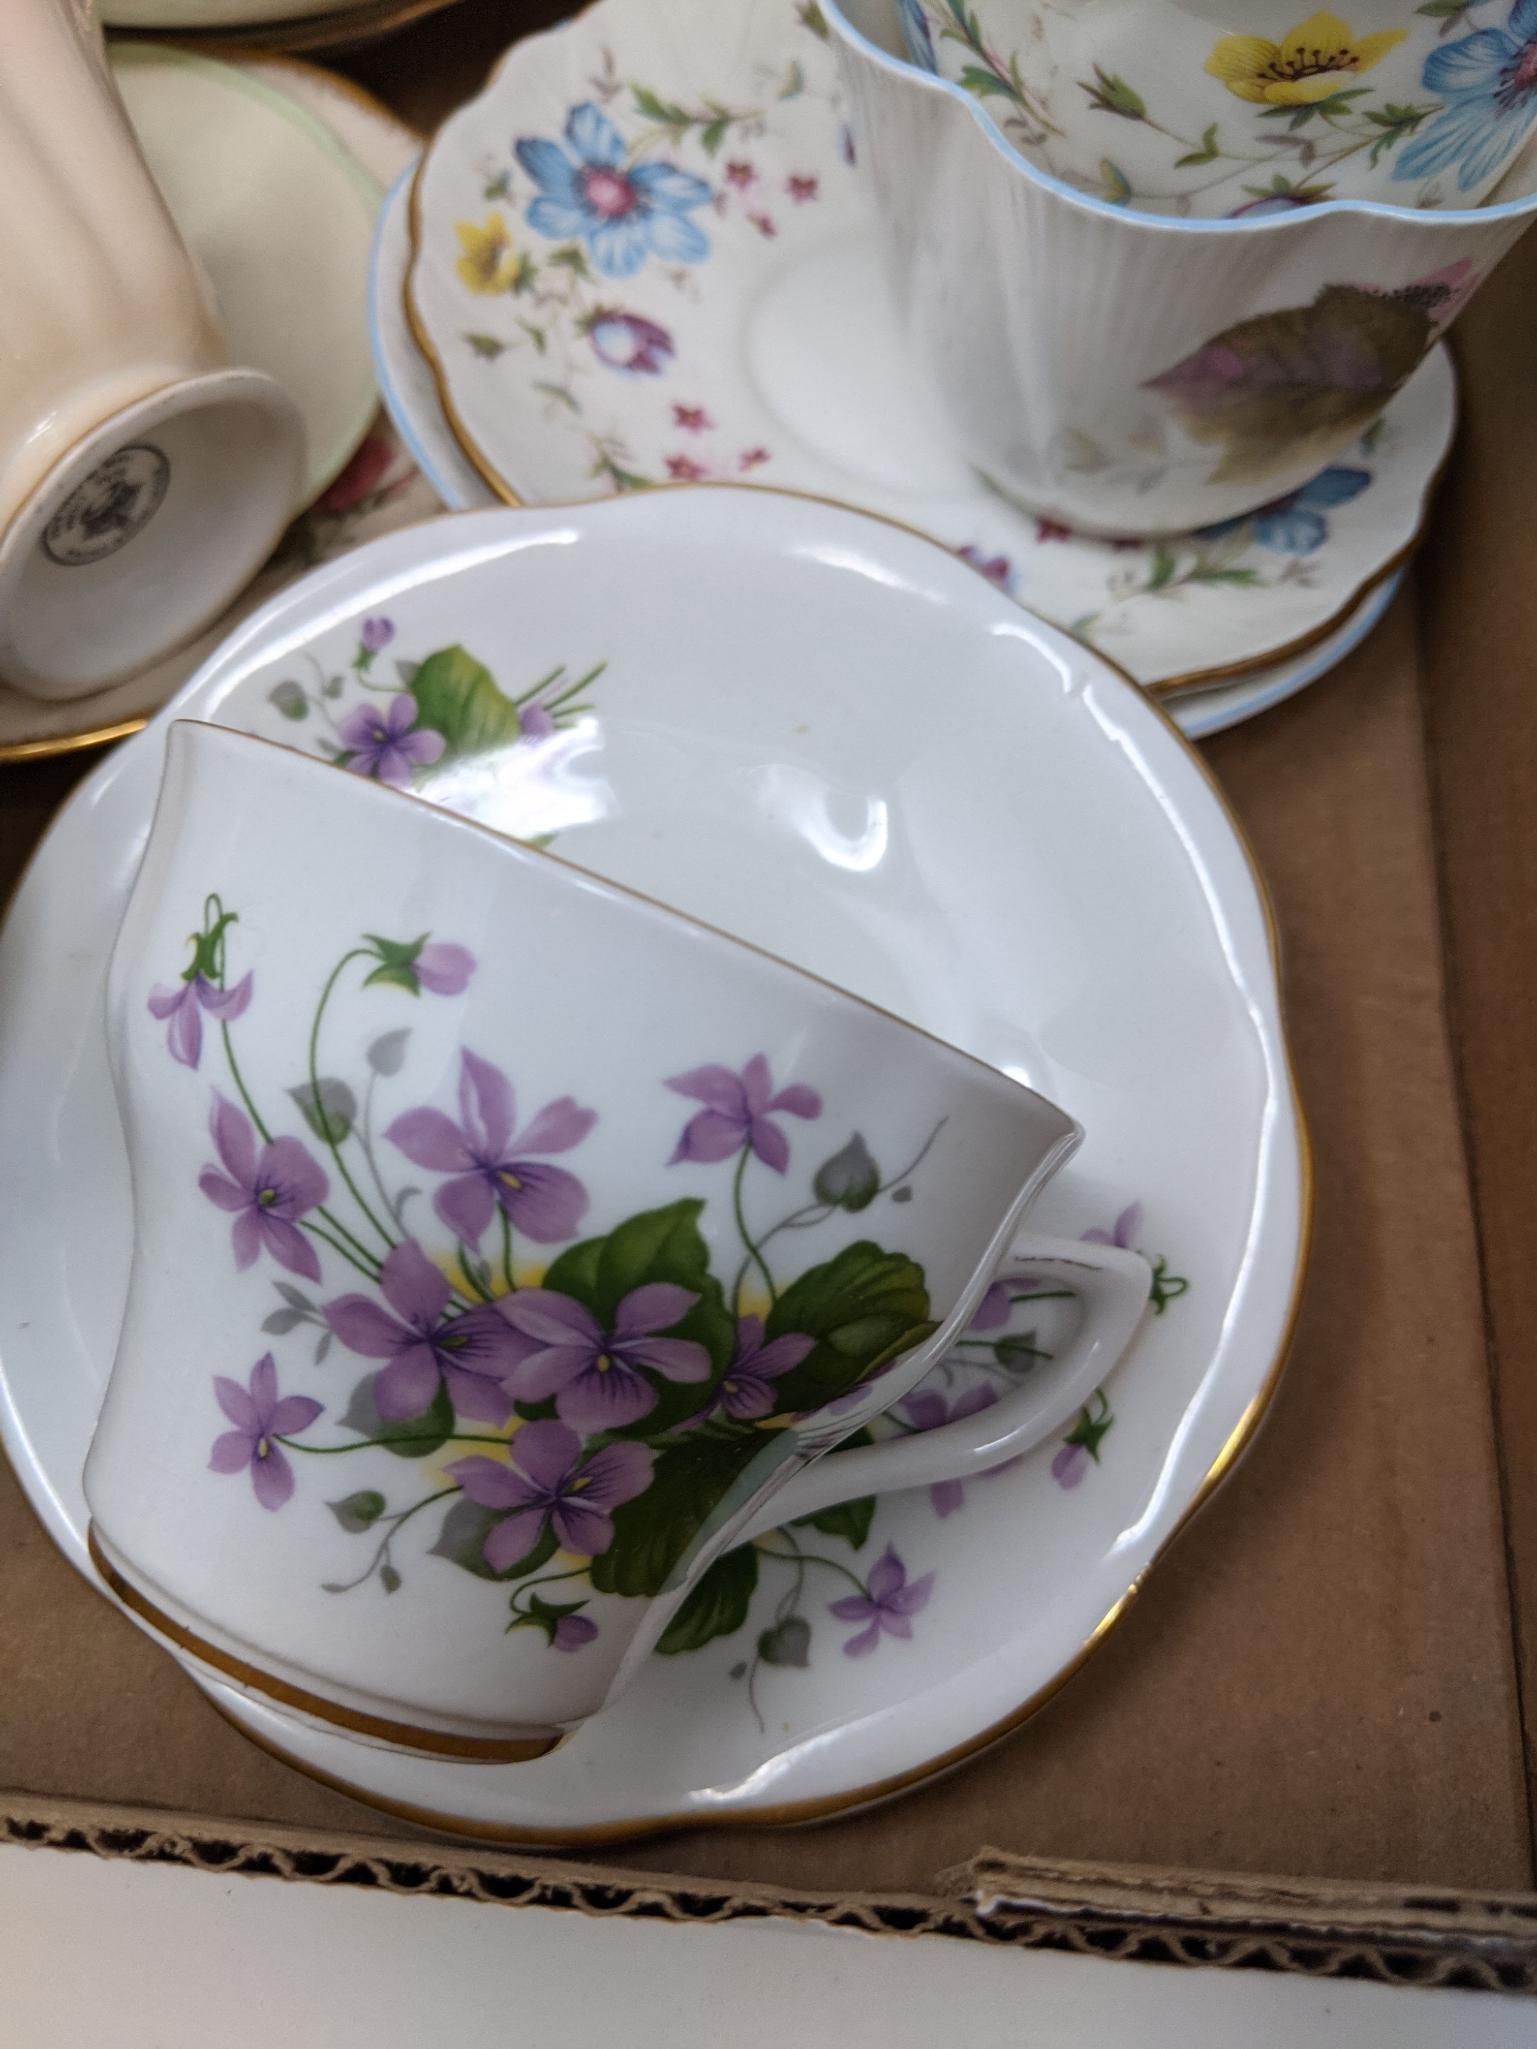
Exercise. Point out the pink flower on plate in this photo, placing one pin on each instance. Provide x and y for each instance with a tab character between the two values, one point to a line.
692	419
802	189
684	469
753	458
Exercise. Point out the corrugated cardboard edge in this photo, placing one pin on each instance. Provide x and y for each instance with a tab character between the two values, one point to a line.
1392	1935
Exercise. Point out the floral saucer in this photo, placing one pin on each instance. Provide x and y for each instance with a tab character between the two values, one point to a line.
643	255
376	490
411	399
1071	902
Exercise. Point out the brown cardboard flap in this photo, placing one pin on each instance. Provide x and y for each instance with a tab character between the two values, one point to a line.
1486	1942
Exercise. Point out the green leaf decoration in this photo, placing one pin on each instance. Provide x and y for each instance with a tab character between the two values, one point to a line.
1164	564
358	1511
329	1108
486	346
850	1520
810	15
787	1643
863	1308
1206	154
397	963
463	1539
388	1052
389	1579
718	1605
290	701
850	1179
412	1437
1112	95
653	1533
458	697
1267	392
1117	184
981	82
658	1245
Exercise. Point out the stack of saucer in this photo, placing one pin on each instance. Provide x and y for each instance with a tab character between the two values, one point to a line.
286	25
647	255
273	172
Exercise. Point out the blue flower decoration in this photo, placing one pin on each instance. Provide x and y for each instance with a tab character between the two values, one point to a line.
1295	524
623	215
1488	81
915	33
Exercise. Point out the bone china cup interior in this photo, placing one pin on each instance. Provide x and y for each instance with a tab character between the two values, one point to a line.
1234	108
1125	373
471	1209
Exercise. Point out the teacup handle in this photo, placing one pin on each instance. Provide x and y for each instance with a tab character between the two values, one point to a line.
1113	1287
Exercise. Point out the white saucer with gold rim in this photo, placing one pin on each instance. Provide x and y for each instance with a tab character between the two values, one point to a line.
909	786
644	255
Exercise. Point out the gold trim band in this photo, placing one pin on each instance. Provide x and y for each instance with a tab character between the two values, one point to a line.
404	1735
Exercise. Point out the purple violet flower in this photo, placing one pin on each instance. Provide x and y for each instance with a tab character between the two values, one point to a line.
260	1418
594	1374
886	1606
492	1163
547	1486
267	1191
629	342
377	634
995	1307
572	1632
747	1392
1069	1465
739	1109
444	968
380	740
1127	1228
184	1005
469	1354
928	1410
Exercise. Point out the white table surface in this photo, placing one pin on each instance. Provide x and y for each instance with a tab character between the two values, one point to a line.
113	1955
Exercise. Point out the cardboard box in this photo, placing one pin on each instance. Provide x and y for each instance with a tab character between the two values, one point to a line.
1334	1673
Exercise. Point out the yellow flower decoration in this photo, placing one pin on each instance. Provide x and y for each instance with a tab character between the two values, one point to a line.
489	263
1312	62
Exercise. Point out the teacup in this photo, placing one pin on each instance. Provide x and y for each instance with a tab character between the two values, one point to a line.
500	1255
143	480
1230	108
1130	373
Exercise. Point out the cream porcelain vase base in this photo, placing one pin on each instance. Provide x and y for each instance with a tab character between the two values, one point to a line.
378	491
1069	901
144	533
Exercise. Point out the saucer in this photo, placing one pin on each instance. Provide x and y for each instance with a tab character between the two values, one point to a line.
1070	902
299	25
281	215
411	399
729	319
376	491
